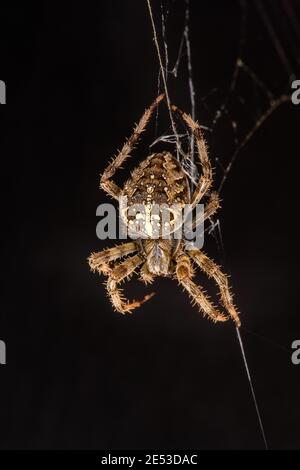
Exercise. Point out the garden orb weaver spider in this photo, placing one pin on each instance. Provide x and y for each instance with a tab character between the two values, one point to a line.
161	179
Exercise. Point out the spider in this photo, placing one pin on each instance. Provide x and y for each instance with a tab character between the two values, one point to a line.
160	179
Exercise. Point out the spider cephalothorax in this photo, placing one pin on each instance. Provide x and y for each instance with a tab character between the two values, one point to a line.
159	182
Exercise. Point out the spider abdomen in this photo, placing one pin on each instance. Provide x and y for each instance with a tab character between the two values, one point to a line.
154	198
159	179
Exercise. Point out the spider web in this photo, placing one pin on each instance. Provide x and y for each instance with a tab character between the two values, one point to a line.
241	106
237	109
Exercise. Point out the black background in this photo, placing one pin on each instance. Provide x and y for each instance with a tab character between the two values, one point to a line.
78	375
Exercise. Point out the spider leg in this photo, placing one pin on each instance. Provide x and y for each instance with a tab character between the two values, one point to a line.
205	180
213	271
184	273
210	209
105	182
100	261
145	275
118	274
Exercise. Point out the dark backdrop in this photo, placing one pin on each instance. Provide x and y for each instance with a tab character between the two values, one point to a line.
79	375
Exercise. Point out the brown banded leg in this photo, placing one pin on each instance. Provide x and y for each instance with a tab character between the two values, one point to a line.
118	274
213	271
210	209
184	273
205	180
100	261
145	275
105	182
